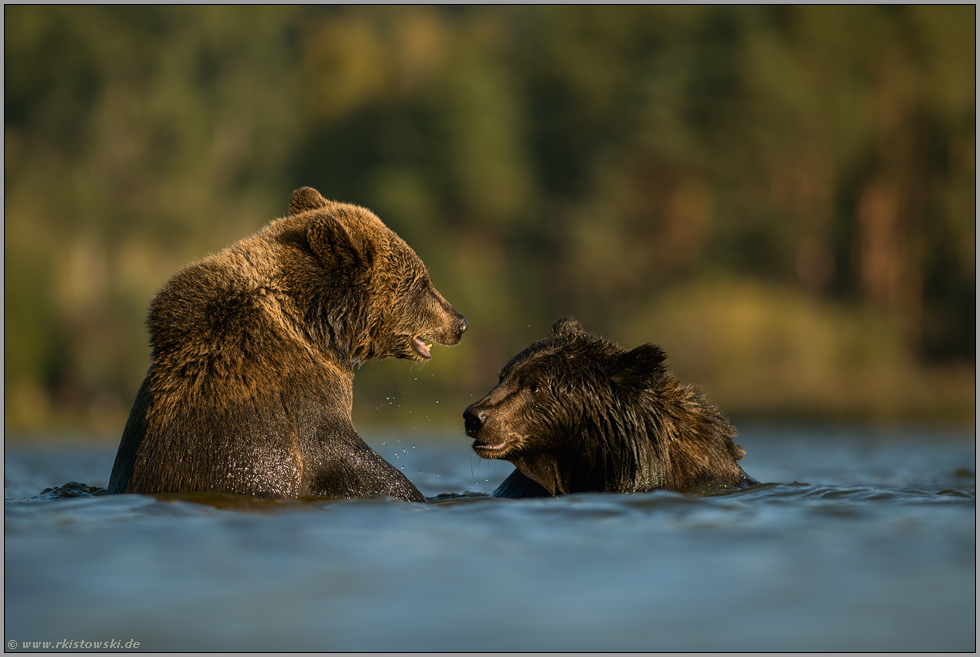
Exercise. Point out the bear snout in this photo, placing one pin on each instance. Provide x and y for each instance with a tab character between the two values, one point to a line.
488	442
456	325
447	323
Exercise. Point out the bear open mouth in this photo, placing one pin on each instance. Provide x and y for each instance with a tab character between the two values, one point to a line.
422	347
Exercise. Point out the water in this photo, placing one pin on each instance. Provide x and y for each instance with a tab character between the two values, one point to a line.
865	543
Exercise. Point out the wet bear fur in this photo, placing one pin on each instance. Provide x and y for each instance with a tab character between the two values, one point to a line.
250	383
577	413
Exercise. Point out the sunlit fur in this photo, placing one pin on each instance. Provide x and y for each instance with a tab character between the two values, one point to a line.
576	413
250	384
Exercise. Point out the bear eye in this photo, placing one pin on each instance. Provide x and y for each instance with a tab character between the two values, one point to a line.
535	388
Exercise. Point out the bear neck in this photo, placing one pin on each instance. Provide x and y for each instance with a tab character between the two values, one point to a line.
603	451
325	301
675	441
333	324
691	440
616	456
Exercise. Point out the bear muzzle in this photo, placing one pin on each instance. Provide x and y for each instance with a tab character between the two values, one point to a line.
487	443
453	330
422	344
450	335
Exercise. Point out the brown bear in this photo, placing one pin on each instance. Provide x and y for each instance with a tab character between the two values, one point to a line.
250	384
577	413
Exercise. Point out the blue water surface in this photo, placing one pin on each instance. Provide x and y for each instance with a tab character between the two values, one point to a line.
860	540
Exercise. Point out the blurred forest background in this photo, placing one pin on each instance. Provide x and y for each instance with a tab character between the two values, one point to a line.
783	198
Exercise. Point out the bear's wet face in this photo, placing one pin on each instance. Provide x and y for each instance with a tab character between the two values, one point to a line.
575	412
533	409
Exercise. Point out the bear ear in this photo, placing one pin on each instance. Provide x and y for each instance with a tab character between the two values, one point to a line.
340	242
640	365
305	199
566	327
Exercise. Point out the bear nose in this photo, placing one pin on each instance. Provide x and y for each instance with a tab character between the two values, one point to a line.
473	419
463	324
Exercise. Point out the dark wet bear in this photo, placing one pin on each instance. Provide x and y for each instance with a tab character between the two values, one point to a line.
577	413
250	383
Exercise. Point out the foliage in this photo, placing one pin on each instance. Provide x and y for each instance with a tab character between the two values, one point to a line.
613	163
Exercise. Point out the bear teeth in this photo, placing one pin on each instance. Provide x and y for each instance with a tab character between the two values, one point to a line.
422	347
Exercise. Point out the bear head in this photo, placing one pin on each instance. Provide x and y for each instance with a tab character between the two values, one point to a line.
575	412
375	299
